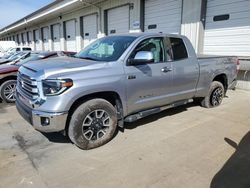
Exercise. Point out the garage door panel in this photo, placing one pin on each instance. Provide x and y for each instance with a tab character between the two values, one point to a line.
70	27
230	36
30	38
234	17
227	24
229	8
163	16
90	29
37	41
235	32
25	41
45	32
56	37
213	3
224	41
118	20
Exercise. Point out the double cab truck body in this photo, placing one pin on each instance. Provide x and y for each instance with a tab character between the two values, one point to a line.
119	78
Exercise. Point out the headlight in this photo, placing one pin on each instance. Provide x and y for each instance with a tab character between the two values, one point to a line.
56	87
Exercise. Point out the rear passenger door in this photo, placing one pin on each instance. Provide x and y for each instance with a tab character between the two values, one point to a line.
185	70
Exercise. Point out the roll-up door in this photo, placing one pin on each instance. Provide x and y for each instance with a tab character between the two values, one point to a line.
45	38
227	29
162	16
89	29
37	40
118	20
20	39
56	37
70	27
30	38
25	40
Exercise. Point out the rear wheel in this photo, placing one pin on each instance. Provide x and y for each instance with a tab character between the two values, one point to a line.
93	124
215	95
8	91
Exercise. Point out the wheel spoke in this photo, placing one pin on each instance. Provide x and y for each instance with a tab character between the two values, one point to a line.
88	134
10	96
106	122
7	92
88	121
9	87
99	113
102	132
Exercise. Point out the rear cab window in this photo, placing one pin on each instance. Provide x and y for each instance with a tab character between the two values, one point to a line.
26	49
178	49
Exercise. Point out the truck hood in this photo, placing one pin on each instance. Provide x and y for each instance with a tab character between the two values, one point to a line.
62	65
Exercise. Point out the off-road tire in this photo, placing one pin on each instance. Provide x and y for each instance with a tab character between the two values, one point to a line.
76	124
5	87
208	101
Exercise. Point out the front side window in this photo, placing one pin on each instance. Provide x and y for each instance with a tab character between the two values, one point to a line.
154	45
178	48
106	49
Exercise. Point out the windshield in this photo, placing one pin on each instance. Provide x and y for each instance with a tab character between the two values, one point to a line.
31	57
106	49
15	56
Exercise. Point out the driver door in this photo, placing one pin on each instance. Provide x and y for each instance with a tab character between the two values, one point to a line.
149	84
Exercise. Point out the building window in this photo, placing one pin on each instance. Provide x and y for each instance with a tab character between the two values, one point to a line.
222	17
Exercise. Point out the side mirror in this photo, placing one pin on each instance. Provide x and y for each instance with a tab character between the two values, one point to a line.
142	57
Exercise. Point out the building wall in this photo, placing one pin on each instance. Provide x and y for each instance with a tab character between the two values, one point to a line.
190	26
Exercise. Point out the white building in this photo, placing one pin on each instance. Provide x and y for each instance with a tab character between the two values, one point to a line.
219	27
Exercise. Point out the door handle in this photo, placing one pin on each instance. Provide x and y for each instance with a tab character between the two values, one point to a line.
166	69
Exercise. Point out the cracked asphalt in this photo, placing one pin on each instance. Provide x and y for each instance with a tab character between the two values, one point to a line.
188	146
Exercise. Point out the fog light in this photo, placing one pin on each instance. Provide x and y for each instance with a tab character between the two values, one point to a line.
45	121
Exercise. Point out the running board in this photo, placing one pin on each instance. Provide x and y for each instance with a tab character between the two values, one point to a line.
142	114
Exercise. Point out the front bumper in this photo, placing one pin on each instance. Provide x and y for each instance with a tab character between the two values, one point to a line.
42	121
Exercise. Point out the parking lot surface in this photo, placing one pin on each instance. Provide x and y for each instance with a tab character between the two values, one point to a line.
188	146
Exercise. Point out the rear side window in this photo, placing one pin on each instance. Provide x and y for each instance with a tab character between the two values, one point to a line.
179	49
18	49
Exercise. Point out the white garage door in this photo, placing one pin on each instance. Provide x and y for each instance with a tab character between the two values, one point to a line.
89	29
25	40
227	30
29	37
70	27
37	40
118	20
45	34
56	37
163	16
20	39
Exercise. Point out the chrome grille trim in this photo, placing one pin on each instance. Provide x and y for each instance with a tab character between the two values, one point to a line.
28	86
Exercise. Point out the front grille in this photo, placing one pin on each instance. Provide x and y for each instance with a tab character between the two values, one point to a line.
28	86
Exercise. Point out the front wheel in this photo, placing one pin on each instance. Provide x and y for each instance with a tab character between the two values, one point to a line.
215	95
8	91
93	124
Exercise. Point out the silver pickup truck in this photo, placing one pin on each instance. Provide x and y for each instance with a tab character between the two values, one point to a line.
118	79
